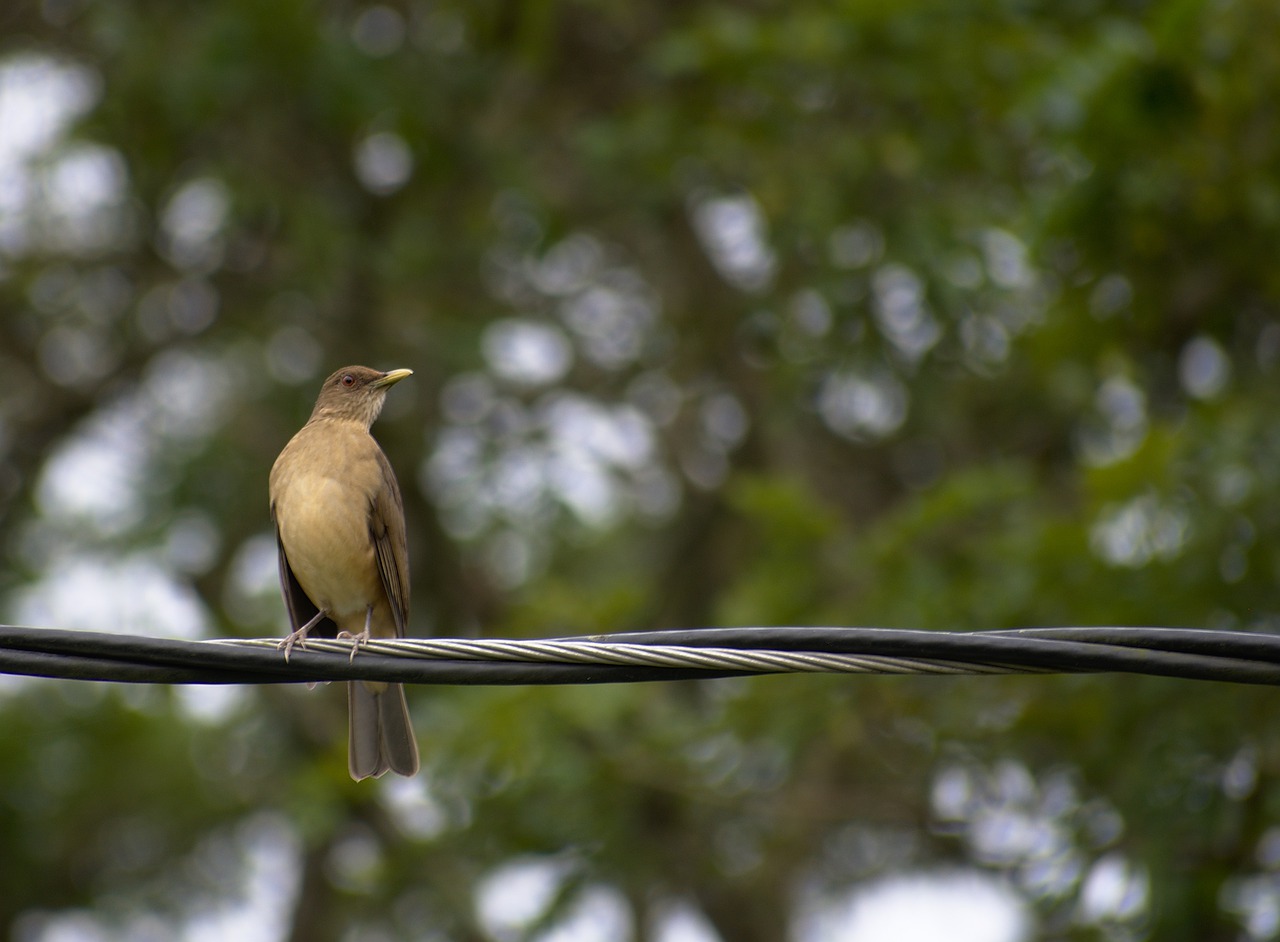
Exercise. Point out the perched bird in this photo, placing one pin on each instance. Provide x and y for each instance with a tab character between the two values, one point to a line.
344	562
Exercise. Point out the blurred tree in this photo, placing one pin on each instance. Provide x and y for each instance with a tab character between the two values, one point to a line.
932	315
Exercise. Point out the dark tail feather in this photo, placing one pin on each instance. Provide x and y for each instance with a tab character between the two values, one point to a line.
381	737
399	747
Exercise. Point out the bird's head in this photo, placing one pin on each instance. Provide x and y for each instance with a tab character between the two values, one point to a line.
356	393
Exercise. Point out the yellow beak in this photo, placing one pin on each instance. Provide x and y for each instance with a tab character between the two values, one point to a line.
391	377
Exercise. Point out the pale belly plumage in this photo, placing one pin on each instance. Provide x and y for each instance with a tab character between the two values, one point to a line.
325	524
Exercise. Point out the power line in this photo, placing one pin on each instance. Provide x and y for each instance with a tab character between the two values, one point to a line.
1231	656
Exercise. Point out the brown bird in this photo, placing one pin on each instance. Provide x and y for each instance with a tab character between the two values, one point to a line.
344	562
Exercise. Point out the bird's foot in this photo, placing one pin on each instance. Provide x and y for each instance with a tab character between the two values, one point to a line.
299	637
358	639
362	637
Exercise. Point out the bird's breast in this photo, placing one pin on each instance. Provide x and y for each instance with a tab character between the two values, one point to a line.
324	527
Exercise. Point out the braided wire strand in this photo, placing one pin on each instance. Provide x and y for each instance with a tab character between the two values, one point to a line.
599	652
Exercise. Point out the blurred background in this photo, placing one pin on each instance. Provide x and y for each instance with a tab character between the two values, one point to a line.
926	314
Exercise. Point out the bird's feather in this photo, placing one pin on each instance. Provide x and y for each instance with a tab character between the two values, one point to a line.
386	527
380	736
301	608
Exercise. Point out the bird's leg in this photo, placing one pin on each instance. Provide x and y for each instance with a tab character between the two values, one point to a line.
299	637
363	637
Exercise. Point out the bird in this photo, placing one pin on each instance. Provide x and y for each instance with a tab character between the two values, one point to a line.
343	553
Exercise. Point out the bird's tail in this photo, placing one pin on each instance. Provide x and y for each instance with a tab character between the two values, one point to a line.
381	737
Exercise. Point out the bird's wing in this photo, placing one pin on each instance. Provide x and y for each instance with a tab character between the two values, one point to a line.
386	525
301	608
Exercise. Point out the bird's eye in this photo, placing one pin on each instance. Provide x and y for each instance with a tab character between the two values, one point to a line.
348	380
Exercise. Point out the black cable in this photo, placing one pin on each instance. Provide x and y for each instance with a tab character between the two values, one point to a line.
1239	657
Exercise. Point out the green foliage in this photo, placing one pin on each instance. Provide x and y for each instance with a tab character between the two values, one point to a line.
935	315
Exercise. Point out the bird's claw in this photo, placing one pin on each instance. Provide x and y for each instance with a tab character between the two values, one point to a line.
298	637
357	639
